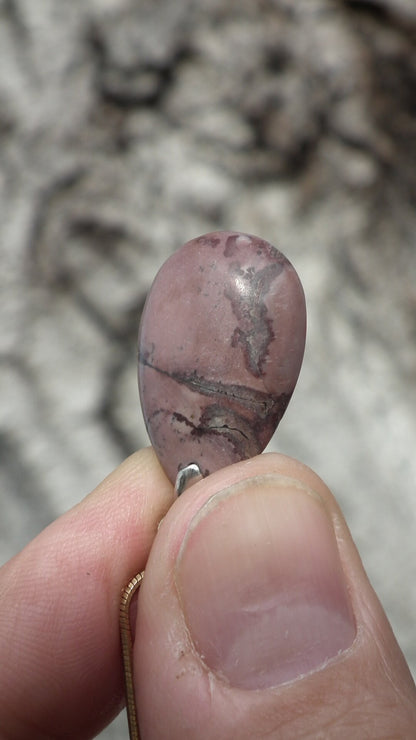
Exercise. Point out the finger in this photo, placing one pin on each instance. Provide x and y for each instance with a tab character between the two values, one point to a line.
61	671
256	618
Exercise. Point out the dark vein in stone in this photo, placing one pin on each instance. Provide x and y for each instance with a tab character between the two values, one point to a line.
254	400
200	430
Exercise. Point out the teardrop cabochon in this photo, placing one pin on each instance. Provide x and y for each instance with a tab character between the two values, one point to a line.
221	344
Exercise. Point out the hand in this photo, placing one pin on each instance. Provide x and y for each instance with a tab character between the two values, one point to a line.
255	618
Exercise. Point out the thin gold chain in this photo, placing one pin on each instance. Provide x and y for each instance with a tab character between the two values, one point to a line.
127	653
186	477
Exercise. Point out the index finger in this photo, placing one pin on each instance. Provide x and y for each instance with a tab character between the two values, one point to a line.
59	642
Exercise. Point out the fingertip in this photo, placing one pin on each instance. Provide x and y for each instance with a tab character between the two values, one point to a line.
256	616
59	622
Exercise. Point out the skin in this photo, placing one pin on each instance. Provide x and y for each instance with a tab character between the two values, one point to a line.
61	675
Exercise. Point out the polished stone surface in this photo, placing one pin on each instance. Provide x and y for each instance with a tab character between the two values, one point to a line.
221	345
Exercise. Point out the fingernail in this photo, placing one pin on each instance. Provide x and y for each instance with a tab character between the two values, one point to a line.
261	585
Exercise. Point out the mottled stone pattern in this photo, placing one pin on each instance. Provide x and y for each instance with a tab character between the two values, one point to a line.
220	348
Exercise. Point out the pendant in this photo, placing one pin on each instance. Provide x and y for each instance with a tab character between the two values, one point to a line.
221	344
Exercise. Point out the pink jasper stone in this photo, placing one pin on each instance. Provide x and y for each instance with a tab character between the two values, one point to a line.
221	344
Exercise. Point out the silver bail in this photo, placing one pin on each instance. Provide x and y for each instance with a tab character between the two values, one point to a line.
186	477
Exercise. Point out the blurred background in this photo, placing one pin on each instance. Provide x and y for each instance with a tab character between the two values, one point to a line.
128	127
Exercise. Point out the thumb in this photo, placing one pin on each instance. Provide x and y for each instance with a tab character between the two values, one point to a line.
256	618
